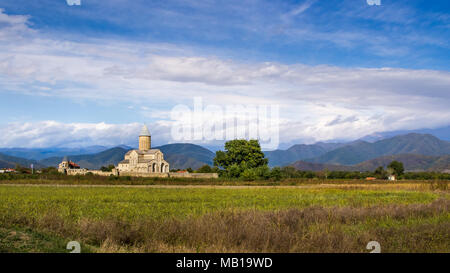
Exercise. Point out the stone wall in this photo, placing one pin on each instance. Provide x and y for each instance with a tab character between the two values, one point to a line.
174	175
85	171
194	175
162	175
144	174
75	171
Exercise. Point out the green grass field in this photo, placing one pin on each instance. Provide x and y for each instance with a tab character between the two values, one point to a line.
343	217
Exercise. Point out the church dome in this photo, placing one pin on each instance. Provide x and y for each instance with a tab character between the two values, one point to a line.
144	131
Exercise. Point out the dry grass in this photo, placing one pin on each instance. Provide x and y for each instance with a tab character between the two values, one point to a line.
136	181
398	228
414	186
403	217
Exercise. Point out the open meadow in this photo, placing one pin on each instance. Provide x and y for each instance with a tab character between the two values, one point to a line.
308	216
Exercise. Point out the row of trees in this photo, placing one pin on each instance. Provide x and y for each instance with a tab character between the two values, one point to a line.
394	168
244	159
107	169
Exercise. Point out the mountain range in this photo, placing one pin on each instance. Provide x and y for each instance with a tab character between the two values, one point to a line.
423	144
416	151
7	161
179	155
301	151
411	162
441	133
42	153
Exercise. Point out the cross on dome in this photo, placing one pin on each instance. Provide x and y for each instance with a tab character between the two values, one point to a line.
144	131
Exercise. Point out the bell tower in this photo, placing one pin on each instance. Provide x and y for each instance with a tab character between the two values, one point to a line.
144	139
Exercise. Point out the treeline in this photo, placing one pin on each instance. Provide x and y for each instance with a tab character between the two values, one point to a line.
260	173
243	159
277	173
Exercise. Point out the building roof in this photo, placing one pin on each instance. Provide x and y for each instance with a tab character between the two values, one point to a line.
126	161
73	164
140	152
144	131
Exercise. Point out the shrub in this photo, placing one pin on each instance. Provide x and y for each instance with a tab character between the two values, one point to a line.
276	174
249	174
205	169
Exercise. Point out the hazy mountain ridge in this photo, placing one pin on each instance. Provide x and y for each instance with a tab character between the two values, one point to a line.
422	144
309	166
90	161
43	153
179	156
411	162
7	161
442	133
299	152
303	151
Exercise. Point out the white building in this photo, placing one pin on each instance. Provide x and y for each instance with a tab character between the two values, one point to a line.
145	159
391	177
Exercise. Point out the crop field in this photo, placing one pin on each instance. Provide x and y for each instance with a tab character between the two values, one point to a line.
339	217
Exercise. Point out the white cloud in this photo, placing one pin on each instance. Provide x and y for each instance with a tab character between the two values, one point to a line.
73	2
56	134
317	102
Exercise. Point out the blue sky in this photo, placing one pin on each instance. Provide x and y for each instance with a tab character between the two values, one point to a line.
69	75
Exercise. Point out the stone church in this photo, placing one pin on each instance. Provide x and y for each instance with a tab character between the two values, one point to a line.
144	160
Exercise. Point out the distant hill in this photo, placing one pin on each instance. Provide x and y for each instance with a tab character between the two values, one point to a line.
296	152
441	133
186	155
423	144
41	153
179	156
91	161
309	166
179	161
300	152
411	162
200	154
7	161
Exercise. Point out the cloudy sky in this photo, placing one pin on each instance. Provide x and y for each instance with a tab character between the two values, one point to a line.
92	74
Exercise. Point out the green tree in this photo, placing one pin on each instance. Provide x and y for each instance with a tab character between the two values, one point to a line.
380	173
289	172
205	169
50	170
249	174
276	173
107	169
22	170
397	168
239	155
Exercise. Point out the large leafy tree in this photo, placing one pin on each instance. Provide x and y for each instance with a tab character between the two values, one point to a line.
396	167
239	155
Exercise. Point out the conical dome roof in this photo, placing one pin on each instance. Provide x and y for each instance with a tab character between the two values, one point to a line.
144	131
